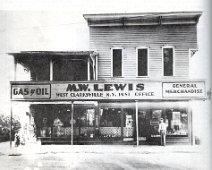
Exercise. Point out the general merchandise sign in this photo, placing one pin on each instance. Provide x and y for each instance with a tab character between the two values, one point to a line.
183	89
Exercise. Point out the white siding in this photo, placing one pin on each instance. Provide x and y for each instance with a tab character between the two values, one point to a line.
181	37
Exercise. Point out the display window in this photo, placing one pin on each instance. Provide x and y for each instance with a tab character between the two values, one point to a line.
110	120
84	121
175	115
52	120
117	120
55	120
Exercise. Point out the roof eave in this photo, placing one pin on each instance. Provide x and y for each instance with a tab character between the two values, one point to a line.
174	18
53	53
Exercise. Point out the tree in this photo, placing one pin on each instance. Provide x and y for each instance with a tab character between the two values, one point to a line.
5	126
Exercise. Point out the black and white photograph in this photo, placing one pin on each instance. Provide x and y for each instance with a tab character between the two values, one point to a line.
105	85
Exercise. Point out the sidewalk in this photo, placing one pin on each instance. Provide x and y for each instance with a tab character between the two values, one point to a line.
34	148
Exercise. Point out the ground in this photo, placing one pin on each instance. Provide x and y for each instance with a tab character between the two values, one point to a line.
104	157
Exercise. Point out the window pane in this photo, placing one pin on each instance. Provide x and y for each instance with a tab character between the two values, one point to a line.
168	61
142	62
110	117
117	62
113	116
174	114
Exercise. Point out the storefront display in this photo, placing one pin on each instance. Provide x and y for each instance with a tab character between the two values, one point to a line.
175	115
111	121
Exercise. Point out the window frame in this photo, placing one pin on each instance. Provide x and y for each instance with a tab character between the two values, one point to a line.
173	64
138	48
117	48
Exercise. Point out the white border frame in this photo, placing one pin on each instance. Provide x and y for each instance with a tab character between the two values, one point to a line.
122	56
168	46
137	48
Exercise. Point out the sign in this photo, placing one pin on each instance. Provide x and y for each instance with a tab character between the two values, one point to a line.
183	89
99	91
23	92
87	91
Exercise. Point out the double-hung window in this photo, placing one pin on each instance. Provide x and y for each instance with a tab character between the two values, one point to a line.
142	62
168	61
116	62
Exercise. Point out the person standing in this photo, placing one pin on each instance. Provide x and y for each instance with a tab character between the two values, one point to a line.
162	130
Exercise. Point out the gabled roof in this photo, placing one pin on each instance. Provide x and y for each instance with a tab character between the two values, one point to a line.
153	18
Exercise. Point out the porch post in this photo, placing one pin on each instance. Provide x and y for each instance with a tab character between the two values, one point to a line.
11	124
88	69
72	123
51	70
96	67
15	68
136	117
190	123
122	124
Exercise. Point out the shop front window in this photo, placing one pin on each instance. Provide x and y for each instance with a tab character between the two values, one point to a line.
177	120
117	120
175	115
110	117
84	121
55	120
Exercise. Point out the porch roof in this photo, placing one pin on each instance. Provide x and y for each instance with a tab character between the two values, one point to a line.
53	53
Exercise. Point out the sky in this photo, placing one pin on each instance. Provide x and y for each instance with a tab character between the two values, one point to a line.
59	25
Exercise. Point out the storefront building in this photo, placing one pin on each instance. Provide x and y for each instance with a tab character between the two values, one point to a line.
136	73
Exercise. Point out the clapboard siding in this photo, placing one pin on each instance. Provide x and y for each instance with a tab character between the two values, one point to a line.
181	37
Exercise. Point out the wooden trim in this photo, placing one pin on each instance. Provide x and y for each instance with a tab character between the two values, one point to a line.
11	124
15	68
130	19
136	117
51	70
72	124
190	124
122	124
88	69
97	67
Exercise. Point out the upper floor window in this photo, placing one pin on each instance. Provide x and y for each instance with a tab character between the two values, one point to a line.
168	61
142	62
116	62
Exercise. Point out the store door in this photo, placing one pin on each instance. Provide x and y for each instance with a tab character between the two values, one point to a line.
143	126
84	123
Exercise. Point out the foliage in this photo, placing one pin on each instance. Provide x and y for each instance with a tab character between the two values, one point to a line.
5	125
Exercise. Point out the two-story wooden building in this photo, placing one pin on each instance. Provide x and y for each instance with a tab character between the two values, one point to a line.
136	72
